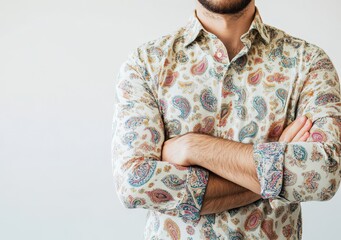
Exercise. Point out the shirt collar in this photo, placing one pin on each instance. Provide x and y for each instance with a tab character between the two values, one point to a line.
194	28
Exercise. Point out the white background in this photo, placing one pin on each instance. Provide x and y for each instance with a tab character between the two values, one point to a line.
58	62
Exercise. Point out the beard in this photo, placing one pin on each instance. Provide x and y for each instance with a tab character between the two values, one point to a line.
225	6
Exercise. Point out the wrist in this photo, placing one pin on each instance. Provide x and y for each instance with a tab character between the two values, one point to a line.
190	148
200	148
195	146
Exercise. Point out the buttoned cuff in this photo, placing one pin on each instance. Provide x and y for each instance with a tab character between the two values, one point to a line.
269	160
191	204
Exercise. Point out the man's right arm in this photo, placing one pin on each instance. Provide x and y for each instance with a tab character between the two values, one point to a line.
141	179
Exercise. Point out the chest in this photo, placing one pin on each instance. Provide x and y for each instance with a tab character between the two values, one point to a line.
246	100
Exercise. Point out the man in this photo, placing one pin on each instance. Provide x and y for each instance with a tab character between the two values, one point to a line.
223	127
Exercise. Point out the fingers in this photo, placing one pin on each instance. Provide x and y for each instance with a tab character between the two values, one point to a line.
290	132
304	137
303	130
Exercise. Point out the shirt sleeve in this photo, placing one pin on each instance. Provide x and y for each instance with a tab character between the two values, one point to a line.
141	179
310	170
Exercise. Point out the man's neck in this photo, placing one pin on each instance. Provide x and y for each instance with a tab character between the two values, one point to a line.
227	27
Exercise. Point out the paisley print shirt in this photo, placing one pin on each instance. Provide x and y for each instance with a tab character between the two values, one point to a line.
184	82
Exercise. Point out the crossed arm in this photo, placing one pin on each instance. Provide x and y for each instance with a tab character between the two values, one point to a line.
213	154
231	171
229	159
303	165
222	195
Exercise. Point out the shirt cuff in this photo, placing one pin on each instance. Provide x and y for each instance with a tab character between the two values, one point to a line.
190	206
269	160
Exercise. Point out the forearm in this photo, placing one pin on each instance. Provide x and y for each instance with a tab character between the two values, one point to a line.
217	205
220	187
221	192
228	159
222	195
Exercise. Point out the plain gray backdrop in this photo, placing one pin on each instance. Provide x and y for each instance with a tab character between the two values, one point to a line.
58	63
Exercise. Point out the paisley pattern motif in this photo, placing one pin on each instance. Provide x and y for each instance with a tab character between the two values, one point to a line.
135	202
173	127
155	135
267	228
323	99
128	138
200	67
277	77
228	87
249	130
324	64
170	78
311	181
181	57
185	82
275	130
208	100
300	152
142	173
241	112
225	113
134	122
289	178
188	213
282	94
255	77
260	105
172	229
318	136
240	63
206	127
159	196
172	181
182	104
253	220
235	235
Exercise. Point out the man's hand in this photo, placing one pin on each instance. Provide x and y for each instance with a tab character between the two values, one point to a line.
179	150
297	131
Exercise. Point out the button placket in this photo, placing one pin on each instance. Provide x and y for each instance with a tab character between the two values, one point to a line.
221	98
218	54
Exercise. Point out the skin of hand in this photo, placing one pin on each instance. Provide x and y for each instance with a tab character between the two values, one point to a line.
297	131
222	194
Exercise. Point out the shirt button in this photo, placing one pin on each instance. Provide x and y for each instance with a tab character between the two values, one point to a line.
219	54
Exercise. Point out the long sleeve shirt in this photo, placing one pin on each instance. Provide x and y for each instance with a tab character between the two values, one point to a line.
184	82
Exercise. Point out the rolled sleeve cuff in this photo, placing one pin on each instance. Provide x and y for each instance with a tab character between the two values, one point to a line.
191	204
269	160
